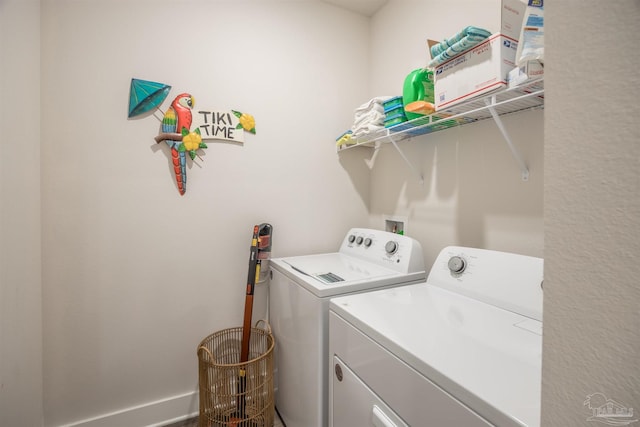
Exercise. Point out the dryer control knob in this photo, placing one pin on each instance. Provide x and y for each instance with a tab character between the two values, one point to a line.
352	238
391	247
457	264
359	240
367	242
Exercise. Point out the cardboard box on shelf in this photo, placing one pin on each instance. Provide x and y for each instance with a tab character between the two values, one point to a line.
511	18
485	67
478	71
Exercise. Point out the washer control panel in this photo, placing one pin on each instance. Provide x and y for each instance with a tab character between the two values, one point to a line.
396	251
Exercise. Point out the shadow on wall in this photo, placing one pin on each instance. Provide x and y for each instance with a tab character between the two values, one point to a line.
472	192
357	163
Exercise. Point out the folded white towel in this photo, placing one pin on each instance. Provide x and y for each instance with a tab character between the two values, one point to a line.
373	103
369	117
365	129
372	116
372	107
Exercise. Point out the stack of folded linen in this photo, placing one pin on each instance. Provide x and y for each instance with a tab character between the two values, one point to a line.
369	117
461	42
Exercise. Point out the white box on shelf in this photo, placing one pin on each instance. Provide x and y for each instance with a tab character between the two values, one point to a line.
480	70
511	17
530	70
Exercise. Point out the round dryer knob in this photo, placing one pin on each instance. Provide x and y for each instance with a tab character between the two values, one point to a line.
367	242
359	240
391	247
457	264
352	238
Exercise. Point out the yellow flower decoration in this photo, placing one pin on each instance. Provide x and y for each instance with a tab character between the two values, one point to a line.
247	122
192	140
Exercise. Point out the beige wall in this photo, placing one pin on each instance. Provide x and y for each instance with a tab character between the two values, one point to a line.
592	209
20	282
134	274
473	193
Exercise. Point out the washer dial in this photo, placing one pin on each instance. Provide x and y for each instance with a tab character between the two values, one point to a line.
456	264
391	247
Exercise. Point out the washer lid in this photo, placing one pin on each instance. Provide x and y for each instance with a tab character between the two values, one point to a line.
336	267
337	273
487	357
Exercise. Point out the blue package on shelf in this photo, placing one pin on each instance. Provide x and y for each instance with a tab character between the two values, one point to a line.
392	103
394	113
394	119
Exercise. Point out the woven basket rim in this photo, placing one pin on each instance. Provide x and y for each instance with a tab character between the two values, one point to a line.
263	332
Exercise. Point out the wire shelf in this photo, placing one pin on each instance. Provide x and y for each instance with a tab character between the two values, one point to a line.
521	98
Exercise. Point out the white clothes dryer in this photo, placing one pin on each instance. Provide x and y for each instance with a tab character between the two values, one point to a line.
299	294
461	349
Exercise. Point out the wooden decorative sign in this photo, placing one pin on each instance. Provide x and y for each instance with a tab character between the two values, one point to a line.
184	128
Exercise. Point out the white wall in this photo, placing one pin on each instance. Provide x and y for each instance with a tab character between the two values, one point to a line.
20	282
136	275
473	194
592	210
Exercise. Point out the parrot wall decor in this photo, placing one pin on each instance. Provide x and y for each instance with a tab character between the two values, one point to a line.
182	128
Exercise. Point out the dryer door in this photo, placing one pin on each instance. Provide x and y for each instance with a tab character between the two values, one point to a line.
355	404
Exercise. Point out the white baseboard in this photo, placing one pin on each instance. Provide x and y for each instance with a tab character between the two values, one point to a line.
152	414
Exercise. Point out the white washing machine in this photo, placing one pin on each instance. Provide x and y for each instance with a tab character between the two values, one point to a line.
461	349
299	294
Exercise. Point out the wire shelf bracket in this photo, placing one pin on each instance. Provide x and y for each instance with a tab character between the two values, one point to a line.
414	171
524	170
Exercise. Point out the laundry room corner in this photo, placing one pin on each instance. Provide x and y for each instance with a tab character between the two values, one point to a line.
135	274
461	186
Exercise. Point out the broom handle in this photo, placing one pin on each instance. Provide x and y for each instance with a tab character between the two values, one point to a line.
246	328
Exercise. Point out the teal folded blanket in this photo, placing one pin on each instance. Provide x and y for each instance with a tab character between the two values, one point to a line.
461	42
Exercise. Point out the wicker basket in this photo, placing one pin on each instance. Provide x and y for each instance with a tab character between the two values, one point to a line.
233	393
